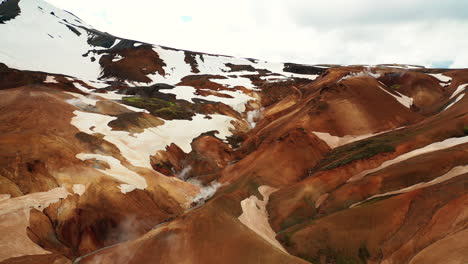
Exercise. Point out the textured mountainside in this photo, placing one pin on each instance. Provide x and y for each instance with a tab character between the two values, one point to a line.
118	151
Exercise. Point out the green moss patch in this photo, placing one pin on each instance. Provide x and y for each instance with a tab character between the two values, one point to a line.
160	108
361	150
367	148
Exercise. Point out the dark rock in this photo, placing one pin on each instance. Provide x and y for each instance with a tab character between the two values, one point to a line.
302	69
9	10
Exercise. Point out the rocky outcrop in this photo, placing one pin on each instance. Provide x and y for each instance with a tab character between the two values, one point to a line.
9	9
132	64
303	69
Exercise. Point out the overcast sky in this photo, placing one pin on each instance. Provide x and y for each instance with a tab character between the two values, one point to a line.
425	32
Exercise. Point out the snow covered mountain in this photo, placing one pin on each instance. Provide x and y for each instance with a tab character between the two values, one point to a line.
65	44
118	151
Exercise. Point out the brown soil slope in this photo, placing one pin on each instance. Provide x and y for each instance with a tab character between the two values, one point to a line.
363	172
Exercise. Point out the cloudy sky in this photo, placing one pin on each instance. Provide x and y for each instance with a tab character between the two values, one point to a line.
424	32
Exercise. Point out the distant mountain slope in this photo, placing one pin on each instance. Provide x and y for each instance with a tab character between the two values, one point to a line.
65	44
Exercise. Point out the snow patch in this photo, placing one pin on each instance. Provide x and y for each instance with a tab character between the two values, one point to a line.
402	99
255	216
113	95
176	68
117	171
278	67
304	76
403	66
79	189
275	67
186	93
215	65
62	54
138	147
231	82
459	89
454	102
116	58
334	141
38	200
97	84
441	77
50	79
272	78
448	143
126	188
117	41
82	88
454	172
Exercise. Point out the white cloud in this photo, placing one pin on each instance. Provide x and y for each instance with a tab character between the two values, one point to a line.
332	31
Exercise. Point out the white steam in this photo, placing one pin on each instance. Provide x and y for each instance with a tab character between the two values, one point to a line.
253	116
360	74
75	102
206	192
126	230
184	173
81	101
